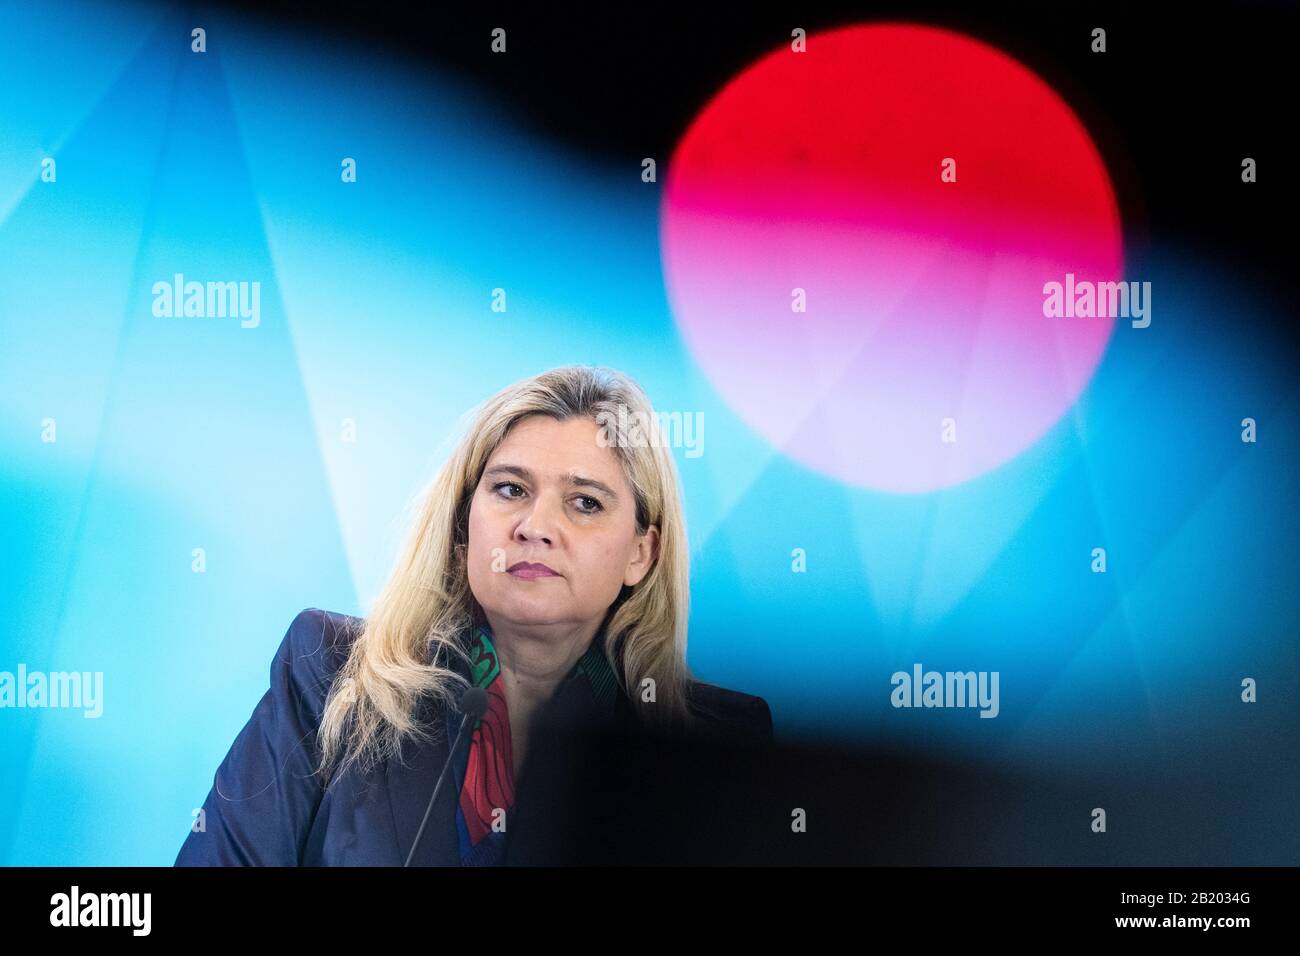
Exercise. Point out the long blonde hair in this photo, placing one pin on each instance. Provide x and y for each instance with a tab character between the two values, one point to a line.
426	610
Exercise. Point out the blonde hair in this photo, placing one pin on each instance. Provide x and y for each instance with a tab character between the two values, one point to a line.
426	610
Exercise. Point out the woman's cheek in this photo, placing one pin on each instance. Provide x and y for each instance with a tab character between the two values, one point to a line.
608	575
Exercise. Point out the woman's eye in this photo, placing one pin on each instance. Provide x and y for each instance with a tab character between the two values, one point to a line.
507	484
586	503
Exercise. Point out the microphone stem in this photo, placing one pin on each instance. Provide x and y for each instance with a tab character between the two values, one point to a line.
429	809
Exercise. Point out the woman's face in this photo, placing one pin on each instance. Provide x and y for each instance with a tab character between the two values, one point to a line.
551	496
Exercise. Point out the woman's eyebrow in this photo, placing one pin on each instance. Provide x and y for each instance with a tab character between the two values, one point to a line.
576	480
593	483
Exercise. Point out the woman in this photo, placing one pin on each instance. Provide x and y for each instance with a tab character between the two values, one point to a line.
548	568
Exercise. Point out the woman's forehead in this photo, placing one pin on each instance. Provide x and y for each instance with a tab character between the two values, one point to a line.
551	449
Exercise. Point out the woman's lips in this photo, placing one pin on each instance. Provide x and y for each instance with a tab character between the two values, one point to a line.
530	571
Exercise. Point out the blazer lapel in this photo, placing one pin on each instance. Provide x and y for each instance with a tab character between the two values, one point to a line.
411	777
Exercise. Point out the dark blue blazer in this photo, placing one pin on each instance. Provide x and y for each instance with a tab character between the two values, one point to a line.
267	808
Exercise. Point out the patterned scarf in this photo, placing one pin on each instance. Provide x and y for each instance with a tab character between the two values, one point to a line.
488	783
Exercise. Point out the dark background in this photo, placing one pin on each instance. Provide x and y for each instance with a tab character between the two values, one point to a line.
1179	98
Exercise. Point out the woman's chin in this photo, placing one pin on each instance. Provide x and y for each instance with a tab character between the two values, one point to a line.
523	612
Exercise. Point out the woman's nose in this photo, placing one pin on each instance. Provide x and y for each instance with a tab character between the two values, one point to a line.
538	523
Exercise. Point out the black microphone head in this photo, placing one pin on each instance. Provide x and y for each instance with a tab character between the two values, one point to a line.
474	702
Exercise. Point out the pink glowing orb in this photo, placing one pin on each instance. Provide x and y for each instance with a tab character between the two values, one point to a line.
824	171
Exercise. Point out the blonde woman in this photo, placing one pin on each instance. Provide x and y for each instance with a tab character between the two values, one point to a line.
544	586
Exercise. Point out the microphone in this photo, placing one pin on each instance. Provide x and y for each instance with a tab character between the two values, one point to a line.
473	703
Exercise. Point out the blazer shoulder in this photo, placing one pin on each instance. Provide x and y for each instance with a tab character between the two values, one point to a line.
331	631
265	793
316	646
735	714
